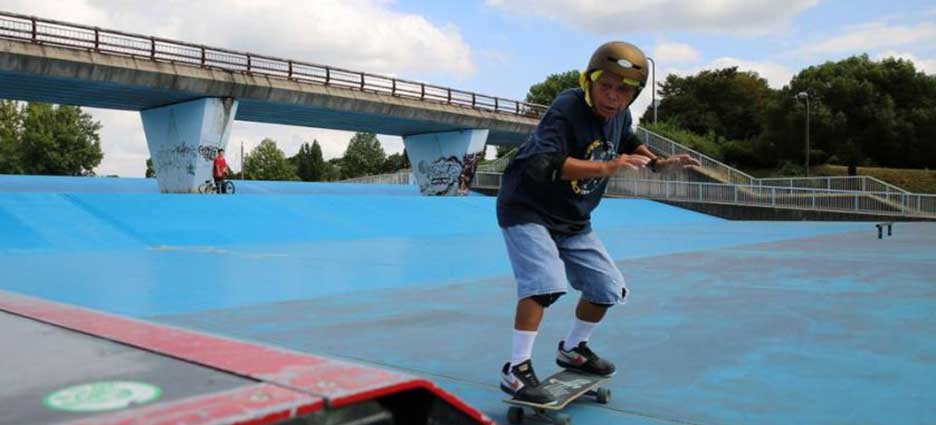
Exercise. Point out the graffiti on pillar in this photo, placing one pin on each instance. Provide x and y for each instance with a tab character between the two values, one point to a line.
441	176
208	152
179	157
449	175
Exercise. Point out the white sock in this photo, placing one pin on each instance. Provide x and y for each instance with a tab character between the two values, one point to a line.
522	346
581	331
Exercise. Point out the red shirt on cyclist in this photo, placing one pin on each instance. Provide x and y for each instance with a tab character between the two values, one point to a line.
220	166
218	170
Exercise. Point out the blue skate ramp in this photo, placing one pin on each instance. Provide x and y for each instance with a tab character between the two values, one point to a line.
728	322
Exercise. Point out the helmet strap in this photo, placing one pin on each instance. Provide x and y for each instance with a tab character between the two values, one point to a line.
585	82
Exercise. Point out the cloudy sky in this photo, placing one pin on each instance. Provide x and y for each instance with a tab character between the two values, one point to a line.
496	47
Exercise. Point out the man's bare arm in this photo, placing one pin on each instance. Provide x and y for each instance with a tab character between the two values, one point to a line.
574	169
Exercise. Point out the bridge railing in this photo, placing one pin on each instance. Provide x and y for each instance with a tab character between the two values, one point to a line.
63	34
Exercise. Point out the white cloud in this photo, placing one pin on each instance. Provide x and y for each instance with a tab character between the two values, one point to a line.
495	57
122	141
870	37
927	66
364	35
776	75
718	16
672	52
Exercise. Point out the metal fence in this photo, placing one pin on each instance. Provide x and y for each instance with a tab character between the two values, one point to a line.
710	166
867	202
854	183
62	34
726	173
880	203
832	200
400	177
500	164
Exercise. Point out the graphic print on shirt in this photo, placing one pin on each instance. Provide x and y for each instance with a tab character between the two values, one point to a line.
599	150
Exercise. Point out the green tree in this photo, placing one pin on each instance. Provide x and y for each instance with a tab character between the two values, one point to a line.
883	110
394	163
332	170
150	170
267	162
318	162
545	92
728	103
11	127
308	162
364	156
59	140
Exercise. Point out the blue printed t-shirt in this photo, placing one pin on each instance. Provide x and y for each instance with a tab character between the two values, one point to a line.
569	128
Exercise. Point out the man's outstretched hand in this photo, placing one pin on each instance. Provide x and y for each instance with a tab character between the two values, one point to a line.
681	161
627	162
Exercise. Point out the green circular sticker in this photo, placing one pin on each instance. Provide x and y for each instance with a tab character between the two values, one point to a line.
102	396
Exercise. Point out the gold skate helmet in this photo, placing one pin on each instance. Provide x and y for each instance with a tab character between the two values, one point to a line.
619	58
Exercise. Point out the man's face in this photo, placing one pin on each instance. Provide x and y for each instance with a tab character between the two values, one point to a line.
221	153
609	95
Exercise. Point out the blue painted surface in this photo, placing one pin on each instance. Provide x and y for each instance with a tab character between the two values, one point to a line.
59	184
729	322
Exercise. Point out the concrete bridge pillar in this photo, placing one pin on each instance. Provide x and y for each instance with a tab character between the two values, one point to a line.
183	139
444	163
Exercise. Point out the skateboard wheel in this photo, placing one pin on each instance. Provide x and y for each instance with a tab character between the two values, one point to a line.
604	395
563	419
515	415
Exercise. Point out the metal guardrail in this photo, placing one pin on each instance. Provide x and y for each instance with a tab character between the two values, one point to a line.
500	164
878	203
400	177
727	173
855	183
63	34
834	194
866	202
668	147
831	200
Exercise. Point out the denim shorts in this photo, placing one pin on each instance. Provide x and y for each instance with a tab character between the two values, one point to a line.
545	264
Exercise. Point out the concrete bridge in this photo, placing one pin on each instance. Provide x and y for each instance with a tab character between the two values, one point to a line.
188	96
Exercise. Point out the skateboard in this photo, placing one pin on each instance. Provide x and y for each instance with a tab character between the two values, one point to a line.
565	386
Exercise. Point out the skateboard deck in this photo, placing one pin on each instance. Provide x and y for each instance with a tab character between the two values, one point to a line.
565	386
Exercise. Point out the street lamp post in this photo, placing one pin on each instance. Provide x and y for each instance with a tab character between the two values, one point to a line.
805	96
653	89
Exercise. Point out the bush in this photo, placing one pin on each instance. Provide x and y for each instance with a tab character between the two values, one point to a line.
706	144
738	153
789	169
818	157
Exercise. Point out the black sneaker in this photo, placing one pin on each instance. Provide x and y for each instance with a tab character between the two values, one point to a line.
583	359
520	382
